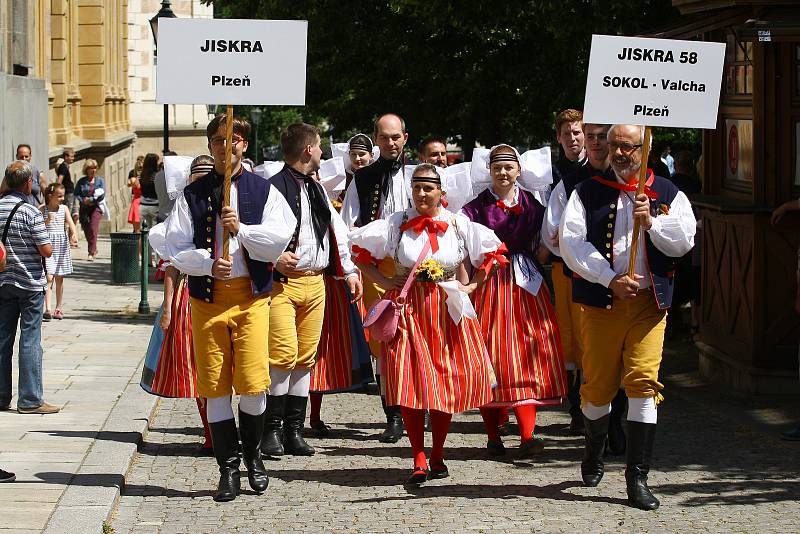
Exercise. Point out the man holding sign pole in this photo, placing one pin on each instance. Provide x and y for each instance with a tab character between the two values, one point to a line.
623	317
230	295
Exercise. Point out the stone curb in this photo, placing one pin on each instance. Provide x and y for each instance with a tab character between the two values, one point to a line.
93	491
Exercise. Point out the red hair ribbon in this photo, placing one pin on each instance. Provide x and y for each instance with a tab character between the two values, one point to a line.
496	256
424	223
516	209
632	185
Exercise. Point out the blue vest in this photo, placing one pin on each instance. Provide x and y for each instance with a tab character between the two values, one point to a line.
600	204
252	197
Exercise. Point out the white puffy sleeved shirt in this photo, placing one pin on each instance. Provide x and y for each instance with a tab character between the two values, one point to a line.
263	242
672	234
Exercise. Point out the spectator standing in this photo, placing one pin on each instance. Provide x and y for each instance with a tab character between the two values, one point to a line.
165	203
148	208
39	182
64	177
22	286
89	192
136	194
63	235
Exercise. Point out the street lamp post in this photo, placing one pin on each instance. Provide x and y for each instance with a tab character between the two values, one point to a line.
164	12
255	115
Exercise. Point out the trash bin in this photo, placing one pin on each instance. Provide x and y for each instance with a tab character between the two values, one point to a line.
125	268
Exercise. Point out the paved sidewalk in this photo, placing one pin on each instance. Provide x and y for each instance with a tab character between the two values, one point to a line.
70	465
719	467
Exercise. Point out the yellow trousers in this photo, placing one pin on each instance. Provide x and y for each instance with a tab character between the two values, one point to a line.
230	340
567	315
295	319
622	345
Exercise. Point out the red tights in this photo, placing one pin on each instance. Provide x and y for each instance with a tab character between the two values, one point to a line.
316	407
414	420
526	419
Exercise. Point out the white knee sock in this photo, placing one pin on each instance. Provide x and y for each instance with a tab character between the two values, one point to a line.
280	382
300	382
593	413
643	410
253	404
219	409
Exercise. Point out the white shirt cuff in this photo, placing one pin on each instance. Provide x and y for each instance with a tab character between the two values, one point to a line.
208	263
606	278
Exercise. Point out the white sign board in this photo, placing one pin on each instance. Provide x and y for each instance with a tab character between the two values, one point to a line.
654	82
230	61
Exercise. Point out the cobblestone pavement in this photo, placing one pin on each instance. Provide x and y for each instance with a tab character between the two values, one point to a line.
715	469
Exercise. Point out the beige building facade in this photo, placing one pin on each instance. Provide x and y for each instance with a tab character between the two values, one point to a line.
80	75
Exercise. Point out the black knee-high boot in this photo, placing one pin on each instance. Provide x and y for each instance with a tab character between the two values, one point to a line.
272	439
394	422
574	397
616	434
226	451
641	437
592	467
251	428
294	419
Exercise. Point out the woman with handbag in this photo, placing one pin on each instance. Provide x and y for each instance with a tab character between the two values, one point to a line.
436	360
89	193
514	307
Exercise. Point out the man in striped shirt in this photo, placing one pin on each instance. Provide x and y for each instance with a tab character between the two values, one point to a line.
22	286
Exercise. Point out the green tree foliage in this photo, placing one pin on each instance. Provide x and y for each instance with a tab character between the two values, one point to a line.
473	70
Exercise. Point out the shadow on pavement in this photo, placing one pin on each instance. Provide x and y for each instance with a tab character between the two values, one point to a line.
121	437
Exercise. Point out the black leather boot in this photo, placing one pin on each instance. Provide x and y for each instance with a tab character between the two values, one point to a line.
226	451
394	425
592	467
293	442
616	434
251	428
574	397
272	439
641	437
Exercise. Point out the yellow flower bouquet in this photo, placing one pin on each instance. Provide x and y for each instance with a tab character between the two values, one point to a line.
430	270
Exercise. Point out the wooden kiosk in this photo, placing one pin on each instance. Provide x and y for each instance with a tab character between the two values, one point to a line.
749	166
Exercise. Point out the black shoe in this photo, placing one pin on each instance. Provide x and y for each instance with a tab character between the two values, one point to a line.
226	451
641	437
418	477
791	435
531	448
251	428
592	467
321	430
496	448
616	434
438	471
394	426
295	417
272	439
5	476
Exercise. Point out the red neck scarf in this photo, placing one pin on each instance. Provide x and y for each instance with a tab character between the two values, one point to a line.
631	185
516	209
424	223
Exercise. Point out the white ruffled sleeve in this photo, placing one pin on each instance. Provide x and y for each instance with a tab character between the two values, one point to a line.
479	240
157	237
378	239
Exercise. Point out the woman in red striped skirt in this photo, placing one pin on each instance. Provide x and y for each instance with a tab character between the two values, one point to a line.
437	360
514	307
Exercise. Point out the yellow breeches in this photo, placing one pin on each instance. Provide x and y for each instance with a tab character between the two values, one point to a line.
622	345
296	314
230	340
567	315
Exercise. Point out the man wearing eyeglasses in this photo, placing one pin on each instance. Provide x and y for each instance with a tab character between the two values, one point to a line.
622	317
230	296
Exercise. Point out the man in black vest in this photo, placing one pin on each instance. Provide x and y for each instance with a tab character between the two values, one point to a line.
622	317
376	192
230	297
318	245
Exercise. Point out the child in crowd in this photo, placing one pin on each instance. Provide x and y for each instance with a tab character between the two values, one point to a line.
63	235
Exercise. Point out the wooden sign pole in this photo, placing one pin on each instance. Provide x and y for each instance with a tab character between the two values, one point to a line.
639	191
226	188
